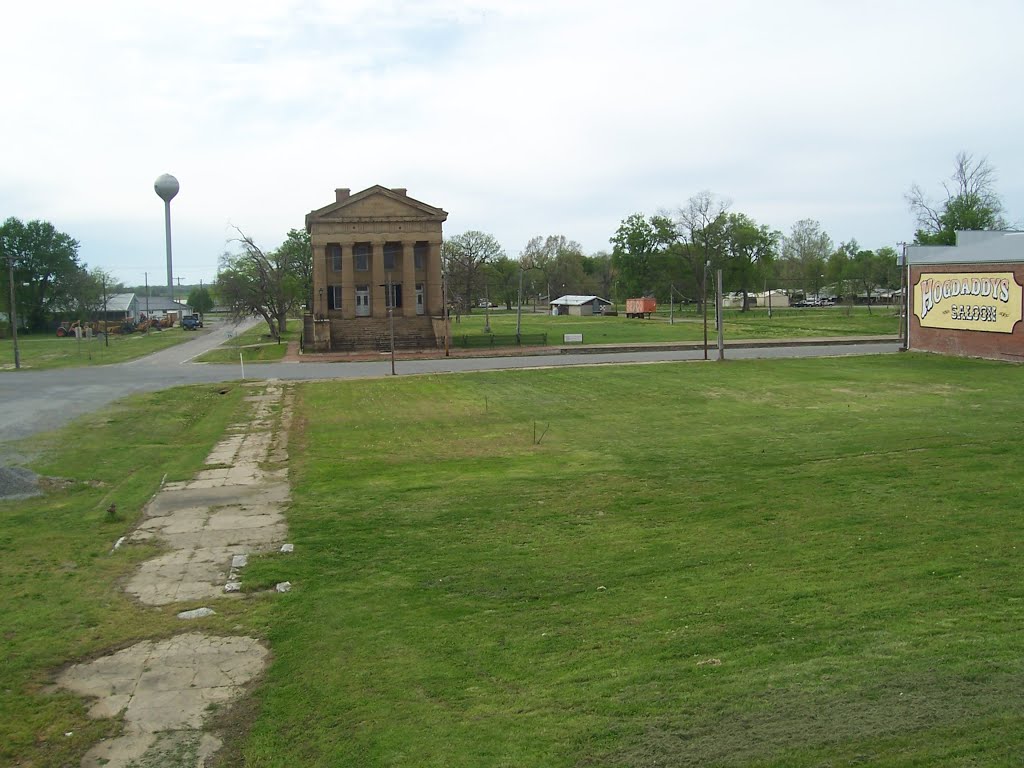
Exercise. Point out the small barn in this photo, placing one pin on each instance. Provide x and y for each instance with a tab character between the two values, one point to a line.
120	306
578	306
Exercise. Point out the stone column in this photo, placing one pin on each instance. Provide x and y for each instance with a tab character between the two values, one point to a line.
378	293
348	281
408	280
434	297
320	258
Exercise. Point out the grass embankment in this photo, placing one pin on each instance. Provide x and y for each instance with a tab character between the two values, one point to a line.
688	326
38	351
60	596
255	345
798	563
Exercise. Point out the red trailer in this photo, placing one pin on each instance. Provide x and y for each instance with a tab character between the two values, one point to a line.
641	307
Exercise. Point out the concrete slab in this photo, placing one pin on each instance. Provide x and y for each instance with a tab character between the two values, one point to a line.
164	689
207	526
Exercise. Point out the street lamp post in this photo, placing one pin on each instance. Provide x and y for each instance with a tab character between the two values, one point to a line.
12	316
166	188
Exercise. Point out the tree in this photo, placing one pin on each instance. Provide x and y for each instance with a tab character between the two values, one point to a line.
597	269
465	257
46	267
297	250
266	284
701	224
749	253
971	203
200	300
504	280
636	246
551	262
805	253
85	293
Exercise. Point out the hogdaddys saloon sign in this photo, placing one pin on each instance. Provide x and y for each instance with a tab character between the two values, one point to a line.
968	301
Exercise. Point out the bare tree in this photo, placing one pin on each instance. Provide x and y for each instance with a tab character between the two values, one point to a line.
465	258
701	225
971	203
266	284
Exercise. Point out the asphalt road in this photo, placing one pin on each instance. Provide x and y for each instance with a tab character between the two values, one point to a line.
38	401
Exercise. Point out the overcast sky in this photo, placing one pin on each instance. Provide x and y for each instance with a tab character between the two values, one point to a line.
518	117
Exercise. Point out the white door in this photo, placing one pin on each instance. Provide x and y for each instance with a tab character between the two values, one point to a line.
419	299
362	301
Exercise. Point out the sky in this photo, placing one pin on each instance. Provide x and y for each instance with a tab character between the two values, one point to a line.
518	117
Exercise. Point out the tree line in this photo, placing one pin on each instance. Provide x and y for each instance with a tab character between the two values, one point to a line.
674	254
670	254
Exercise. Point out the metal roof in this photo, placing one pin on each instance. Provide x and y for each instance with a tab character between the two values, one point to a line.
570	300
971	248
119	302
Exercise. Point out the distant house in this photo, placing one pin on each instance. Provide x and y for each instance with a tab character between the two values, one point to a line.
120	306
161	306
578	306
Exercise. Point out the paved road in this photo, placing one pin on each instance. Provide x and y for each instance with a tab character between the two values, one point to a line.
38	401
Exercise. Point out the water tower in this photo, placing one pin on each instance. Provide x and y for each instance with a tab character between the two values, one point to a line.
167	187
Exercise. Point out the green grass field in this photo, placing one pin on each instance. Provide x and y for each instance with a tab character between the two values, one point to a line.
758	563
39	351
255	345
688	326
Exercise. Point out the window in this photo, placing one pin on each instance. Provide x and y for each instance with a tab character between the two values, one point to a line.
390	251
419	255
362	257
334	254
334	297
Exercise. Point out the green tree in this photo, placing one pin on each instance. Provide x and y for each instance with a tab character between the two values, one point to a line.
200	300
597	269
297	250
503	276
701	224
805	252
266	284
465	258
551	262
637	245
749	252
971	203
46	268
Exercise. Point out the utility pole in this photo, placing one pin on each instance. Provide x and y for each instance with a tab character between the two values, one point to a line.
147	299
519	307
391	319
12	316
671	304
447	318
106	328
718	313
904	299
704	304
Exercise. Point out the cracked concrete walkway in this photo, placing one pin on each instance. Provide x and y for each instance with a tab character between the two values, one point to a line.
233	508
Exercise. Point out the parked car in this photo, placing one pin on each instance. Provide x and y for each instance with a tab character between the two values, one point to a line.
191	322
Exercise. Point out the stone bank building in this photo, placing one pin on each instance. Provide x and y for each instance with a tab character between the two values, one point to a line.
375	250
966	299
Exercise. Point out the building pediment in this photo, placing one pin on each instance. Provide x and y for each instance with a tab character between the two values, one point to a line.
377	203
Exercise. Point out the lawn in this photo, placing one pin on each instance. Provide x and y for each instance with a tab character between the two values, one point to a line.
794	563
43	351
756	563
255	345
688	326
60	593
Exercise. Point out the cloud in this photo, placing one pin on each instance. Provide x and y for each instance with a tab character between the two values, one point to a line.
520	118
